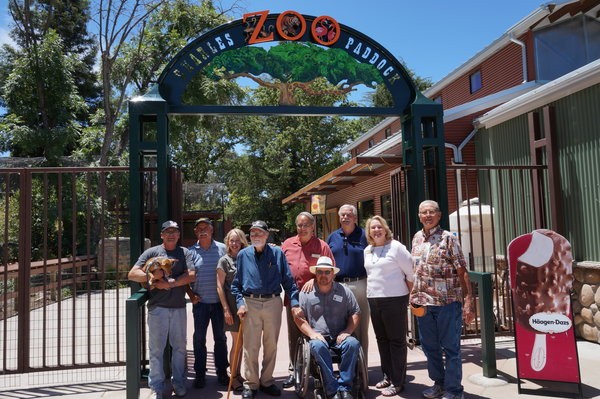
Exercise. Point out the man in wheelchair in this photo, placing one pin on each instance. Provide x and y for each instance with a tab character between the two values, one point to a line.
330	313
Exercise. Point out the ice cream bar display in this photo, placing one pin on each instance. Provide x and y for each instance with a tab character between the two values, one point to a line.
541	277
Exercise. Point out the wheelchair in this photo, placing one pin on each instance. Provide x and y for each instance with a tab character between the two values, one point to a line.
306	367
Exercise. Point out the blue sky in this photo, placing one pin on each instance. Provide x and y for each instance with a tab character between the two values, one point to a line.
432	37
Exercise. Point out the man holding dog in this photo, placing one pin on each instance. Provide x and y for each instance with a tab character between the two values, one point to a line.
208	308
166	309
331	316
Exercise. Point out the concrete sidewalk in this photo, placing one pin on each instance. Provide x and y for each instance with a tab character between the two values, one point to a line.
476	386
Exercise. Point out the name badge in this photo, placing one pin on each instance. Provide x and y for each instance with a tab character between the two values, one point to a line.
337	298
316	255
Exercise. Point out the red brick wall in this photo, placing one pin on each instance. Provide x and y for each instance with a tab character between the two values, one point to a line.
501	71
370	189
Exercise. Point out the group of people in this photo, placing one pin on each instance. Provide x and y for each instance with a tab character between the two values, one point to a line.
332	290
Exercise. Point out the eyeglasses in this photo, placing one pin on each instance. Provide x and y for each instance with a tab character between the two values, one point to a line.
303	226
325	272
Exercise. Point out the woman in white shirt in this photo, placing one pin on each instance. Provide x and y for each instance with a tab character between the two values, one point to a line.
389	282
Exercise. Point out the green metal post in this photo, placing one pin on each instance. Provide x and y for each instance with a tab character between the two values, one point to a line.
486	316
423	153
133	337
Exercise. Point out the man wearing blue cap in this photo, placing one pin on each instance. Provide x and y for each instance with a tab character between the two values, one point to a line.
166	308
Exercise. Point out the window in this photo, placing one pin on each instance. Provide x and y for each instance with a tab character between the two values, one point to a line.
565	47
475	80
366	209
388	132
371	143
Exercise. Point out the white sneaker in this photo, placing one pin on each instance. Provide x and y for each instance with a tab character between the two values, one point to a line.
156	394
434	392
179	390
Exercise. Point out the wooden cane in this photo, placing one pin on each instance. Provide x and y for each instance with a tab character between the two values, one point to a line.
236	350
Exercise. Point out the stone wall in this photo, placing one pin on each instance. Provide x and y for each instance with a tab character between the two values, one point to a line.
586	300
110	258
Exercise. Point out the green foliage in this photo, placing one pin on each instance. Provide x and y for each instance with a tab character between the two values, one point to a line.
299	62
9	225
280	155
34	20
42	100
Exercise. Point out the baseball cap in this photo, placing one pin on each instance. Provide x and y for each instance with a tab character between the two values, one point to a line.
203	220
259	224
169	224
322	263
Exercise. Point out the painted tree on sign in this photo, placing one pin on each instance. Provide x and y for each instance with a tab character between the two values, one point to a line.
292	66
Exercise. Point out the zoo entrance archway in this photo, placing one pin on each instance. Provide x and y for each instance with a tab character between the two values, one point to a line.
228	45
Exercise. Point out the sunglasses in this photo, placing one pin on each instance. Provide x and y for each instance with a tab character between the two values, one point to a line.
325	272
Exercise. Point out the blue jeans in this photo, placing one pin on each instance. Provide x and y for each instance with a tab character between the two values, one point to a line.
163	324
440	331
203	314
348	349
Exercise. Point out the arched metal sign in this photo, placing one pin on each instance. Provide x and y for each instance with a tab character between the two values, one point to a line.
261	27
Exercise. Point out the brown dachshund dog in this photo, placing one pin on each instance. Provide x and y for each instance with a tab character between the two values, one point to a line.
160	268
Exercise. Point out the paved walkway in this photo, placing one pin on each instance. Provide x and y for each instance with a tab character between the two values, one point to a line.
476	386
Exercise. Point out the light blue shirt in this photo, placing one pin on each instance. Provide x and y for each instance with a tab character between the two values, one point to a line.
205	264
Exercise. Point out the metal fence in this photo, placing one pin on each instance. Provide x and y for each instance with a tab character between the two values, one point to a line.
63	273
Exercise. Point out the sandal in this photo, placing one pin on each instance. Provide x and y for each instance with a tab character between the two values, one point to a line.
383	384
391	390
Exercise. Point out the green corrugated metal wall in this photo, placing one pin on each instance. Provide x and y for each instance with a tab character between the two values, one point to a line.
578	145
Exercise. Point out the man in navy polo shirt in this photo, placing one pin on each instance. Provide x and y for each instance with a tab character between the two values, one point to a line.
261	272
347	244
207	253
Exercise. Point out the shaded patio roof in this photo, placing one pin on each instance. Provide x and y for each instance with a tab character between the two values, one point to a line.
354	171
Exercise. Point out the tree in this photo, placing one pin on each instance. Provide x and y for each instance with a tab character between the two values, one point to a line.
282	154
32	20
137	39
42	99
294	66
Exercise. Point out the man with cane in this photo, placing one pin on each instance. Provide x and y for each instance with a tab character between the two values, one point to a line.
262	271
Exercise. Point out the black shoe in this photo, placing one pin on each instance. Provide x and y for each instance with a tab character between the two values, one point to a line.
200	382
272	390
345	395
248	393
223	379
289	382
